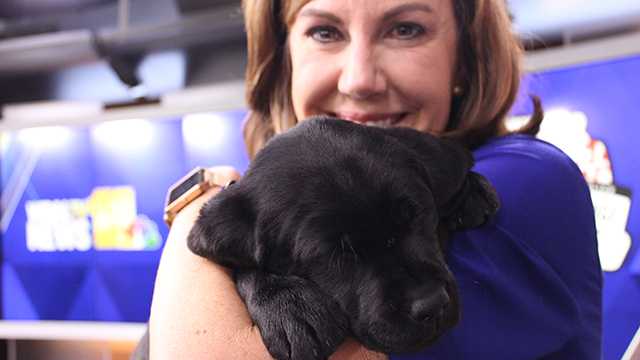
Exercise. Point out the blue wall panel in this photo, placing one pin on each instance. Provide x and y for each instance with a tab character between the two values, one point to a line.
607	94
76	176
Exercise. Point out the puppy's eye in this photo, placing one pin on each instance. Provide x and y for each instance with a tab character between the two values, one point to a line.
391	242
403	214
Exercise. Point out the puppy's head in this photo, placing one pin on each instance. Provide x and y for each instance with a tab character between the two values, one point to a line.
354	210
375	249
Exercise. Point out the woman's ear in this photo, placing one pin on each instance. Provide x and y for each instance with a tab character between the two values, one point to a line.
224	231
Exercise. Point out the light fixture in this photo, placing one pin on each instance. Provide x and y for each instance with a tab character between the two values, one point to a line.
124	135
204	131
45	137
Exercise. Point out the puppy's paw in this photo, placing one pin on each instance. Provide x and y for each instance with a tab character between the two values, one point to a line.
476	202
223	232
295	319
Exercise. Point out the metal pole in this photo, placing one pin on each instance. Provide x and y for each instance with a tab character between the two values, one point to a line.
12	351
123	15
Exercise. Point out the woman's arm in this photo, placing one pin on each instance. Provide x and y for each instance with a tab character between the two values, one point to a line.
196	311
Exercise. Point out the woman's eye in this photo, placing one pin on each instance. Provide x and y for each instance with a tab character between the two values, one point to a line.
406	31
324	34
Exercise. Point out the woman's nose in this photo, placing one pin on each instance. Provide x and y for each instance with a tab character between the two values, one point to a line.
361	76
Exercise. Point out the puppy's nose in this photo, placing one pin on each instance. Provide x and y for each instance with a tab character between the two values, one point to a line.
429	306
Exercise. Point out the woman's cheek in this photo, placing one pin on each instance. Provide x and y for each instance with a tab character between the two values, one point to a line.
313	83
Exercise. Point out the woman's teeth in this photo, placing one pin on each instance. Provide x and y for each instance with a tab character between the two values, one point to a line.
388	122
381	123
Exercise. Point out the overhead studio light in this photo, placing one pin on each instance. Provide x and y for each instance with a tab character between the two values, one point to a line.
124	135
205	131
5	142
46	137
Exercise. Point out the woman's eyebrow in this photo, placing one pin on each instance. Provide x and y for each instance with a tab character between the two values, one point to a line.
311	12
406	8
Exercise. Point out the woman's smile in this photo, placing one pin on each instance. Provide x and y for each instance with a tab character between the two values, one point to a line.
380	119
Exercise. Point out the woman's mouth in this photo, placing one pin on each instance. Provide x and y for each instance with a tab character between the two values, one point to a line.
371	119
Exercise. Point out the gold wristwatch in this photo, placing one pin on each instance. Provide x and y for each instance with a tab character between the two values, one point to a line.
187	189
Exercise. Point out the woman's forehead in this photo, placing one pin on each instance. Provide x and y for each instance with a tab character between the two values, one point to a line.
291	9
374	7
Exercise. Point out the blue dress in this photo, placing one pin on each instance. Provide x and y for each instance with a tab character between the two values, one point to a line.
530	281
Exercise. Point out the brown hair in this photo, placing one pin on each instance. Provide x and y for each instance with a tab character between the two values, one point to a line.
489	71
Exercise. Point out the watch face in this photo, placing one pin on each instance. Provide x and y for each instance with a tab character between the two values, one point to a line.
184	186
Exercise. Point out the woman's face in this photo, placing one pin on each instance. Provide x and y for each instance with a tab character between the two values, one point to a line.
380	62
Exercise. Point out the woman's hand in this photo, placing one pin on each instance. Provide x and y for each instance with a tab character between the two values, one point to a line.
196	311
351	350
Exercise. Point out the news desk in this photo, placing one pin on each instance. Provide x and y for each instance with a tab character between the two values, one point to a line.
51	340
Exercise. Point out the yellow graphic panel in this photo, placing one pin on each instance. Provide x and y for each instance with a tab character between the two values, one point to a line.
113	211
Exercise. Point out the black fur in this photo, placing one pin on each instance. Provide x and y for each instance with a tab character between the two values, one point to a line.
339	229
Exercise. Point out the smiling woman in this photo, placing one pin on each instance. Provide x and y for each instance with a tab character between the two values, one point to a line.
461	57
529	281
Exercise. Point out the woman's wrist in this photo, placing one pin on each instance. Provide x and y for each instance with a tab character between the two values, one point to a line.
188	215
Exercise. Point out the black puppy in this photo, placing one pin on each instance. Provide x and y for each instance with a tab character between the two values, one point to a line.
339	229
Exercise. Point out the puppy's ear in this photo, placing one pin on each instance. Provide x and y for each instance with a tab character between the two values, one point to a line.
473	205
465	199
442	162
224	231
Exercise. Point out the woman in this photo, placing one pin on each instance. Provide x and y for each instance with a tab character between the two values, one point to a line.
530	281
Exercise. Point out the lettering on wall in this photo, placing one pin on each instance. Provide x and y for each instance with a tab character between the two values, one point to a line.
106	220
